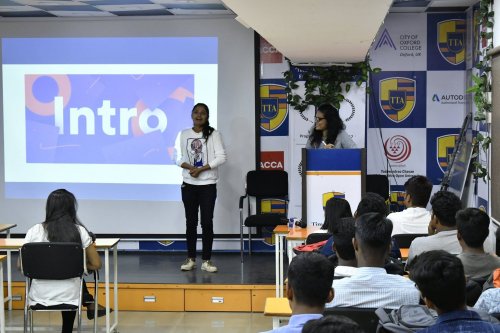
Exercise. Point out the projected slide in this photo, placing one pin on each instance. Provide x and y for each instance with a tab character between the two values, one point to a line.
99	116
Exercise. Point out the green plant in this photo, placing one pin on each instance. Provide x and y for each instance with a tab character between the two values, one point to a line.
481	86
324	84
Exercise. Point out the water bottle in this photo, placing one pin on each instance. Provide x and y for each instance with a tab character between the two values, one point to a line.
291	222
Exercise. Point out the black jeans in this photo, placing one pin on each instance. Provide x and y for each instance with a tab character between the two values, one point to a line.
200	197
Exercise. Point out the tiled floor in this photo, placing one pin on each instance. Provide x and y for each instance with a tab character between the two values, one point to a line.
149	322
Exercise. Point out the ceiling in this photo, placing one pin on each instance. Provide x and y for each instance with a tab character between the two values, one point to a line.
179	8
305	31
324	31
108	8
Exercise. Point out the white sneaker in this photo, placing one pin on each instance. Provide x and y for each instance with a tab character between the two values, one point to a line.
188	265
208	266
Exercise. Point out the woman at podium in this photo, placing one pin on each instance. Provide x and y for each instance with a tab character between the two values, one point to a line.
328	130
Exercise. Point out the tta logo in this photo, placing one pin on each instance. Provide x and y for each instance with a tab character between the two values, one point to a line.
276	206
398	197
451	40
385	40
274	108
445	147
328	195
397	97
397	148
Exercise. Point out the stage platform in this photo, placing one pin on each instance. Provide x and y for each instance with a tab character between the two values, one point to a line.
153	281
164	267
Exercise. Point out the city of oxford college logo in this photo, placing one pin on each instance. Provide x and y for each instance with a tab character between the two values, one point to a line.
444	150
451	40
385	40
397	97
273	106
397	148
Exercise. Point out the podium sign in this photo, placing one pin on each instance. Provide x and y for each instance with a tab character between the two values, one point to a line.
328	173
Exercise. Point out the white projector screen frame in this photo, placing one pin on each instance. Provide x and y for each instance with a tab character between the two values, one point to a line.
235	121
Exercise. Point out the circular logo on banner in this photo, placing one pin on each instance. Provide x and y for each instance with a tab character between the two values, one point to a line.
347	110
397	148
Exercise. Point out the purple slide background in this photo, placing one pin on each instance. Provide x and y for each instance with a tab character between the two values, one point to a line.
170	93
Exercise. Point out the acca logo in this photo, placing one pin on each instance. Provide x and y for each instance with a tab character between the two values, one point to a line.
397	148
272	160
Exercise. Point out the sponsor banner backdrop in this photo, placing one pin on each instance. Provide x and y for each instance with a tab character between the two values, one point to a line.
398	100
440	145
446	36
405	150
401	43
445	98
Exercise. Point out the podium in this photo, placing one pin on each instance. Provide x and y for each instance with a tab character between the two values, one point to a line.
328	173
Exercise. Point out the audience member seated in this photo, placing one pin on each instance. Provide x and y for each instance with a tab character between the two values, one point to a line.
332	324
472	230
442	227
440	278
370	286
415	218
335	209
342	245
370	203
310	277
61	225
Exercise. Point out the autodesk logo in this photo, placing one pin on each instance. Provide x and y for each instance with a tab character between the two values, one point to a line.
385	40
435	98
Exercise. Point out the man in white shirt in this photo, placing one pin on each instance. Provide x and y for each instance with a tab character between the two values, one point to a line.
370	286
442	227
310	277
415	218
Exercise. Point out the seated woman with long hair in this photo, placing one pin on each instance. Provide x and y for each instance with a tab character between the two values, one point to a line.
335	210
328	130
61	225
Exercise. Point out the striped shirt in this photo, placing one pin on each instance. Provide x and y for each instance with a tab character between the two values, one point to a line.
372	287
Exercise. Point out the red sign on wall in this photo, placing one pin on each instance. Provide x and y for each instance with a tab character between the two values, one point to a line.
268	53
272	160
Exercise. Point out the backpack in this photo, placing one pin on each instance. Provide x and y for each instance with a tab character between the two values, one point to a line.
314	247
413	318
493	280
406	319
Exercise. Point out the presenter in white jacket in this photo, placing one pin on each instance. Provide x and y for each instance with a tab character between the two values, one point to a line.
199	152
